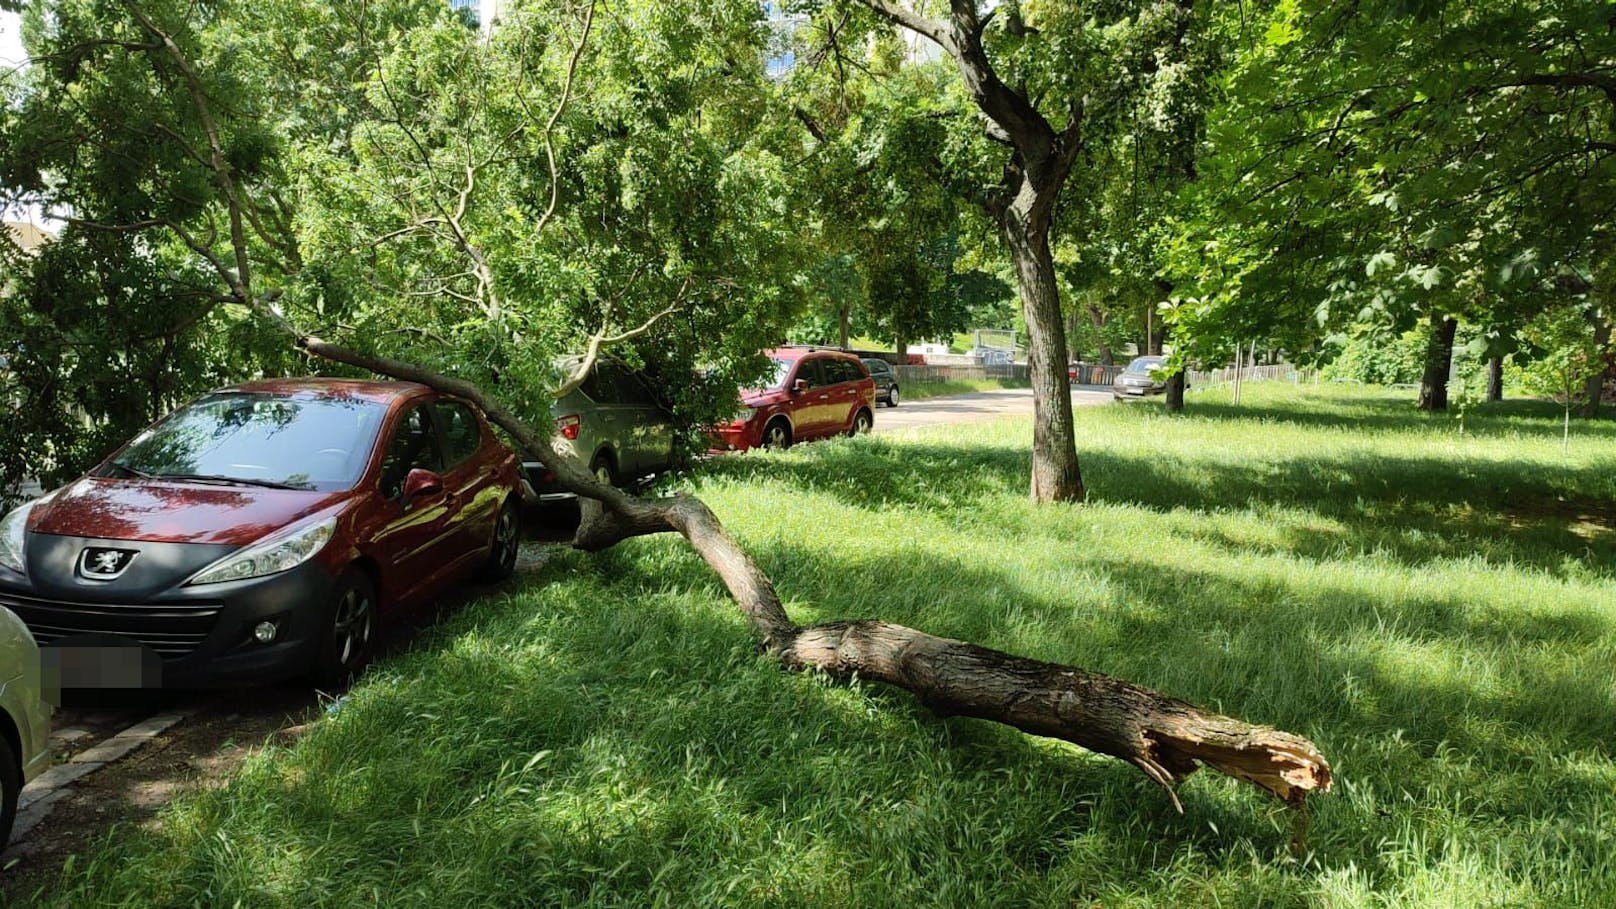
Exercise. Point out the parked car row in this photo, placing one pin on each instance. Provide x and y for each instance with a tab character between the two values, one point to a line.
266	530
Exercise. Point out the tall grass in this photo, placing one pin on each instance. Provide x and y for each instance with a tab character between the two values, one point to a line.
1436	611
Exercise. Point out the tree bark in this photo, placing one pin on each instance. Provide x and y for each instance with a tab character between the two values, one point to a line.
1097	319
1166	738
1175	392
1495	379
1438	363
1595	389
842	317
1056	476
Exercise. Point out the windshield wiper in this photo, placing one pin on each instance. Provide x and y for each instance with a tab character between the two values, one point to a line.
132	471
228	481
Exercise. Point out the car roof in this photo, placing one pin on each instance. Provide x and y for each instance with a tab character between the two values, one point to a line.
376	391
797	353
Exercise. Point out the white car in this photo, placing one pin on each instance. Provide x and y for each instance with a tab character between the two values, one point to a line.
24	717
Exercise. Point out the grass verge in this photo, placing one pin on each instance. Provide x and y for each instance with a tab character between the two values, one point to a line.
916	391
1436	611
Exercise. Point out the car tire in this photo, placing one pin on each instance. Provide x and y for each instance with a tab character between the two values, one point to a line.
892	396
862	421
349	631
507	539
777	435
10	788
601	467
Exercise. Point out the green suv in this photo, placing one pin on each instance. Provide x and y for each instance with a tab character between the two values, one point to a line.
24	719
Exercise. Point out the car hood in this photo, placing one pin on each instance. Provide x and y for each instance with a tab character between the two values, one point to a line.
163	511
763	397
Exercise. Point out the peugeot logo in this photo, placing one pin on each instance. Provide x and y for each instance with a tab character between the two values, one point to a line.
100	564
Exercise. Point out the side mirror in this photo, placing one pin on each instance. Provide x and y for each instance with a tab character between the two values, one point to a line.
799	386
420	482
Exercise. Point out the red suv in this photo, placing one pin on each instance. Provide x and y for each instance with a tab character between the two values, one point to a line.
815	393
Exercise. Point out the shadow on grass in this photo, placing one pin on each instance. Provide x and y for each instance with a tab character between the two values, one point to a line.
607	732
1413	509
1377	412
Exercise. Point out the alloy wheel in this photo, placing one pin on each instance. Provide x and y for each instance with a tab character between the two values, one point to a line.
350	629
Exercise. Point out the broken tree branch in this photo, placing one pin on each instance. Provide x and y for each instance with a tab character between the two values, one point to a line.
1166	738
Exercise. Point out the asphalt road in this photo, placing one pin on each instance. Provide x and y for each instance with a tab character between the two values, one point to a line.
974	407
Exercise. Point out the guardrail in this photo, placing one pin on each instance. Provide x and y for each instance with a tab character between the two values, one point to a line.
1095	373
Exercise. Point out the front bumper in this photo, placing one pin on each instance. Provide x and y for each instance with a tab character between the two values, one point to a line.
738	435
1137	391
185	637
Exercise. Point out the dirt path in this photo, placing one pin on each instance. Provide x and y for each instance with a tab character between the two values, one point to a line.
200	750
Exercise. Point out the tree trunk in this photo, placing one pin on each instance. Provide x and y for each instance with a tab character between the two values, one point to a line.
900	346
1097	319
1056	476
1175	392
1595	389
1438	363
841	325
1495	379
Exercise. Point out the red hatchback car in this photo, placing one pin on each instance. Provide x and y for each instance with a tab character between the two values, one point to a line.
260	533
815	392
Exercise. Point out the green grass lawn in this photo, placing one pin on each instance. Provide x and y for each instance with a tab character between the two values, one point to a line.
1436	611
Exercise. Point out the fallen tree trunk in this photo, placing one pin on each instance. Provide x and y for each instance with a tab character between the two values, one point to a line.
1164	737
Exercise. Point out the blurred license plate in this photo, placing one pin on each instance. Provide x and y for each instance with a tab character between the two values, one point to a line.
99	666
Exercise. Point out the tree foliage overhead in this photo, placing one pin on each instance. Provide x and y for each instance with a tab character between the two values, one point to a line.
388	175
1392	163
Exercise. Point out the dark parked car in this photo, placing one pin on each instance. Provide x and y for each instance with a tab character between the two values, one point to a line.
261	532
614	423
814	393
1136	381
886	380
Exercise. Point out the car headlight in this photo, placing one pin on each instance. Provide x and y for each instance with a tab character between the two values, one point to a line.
279	553
14	536
745	414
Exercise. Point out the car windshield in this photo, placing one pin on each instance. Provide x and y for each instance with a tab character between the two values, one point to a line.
1144	365
321	441
782	368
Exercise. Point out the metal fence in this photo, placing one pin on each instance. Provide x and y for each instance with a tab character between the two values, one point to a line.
936	375
1095	374
1279	372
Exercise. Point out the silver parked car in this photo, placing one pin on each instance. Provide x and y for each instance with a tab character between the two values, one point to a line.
24	717
612	422
886	380
1137	382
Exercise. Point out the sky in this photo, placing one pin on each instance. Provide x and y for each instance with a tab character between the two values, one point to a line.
11	55
10	40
